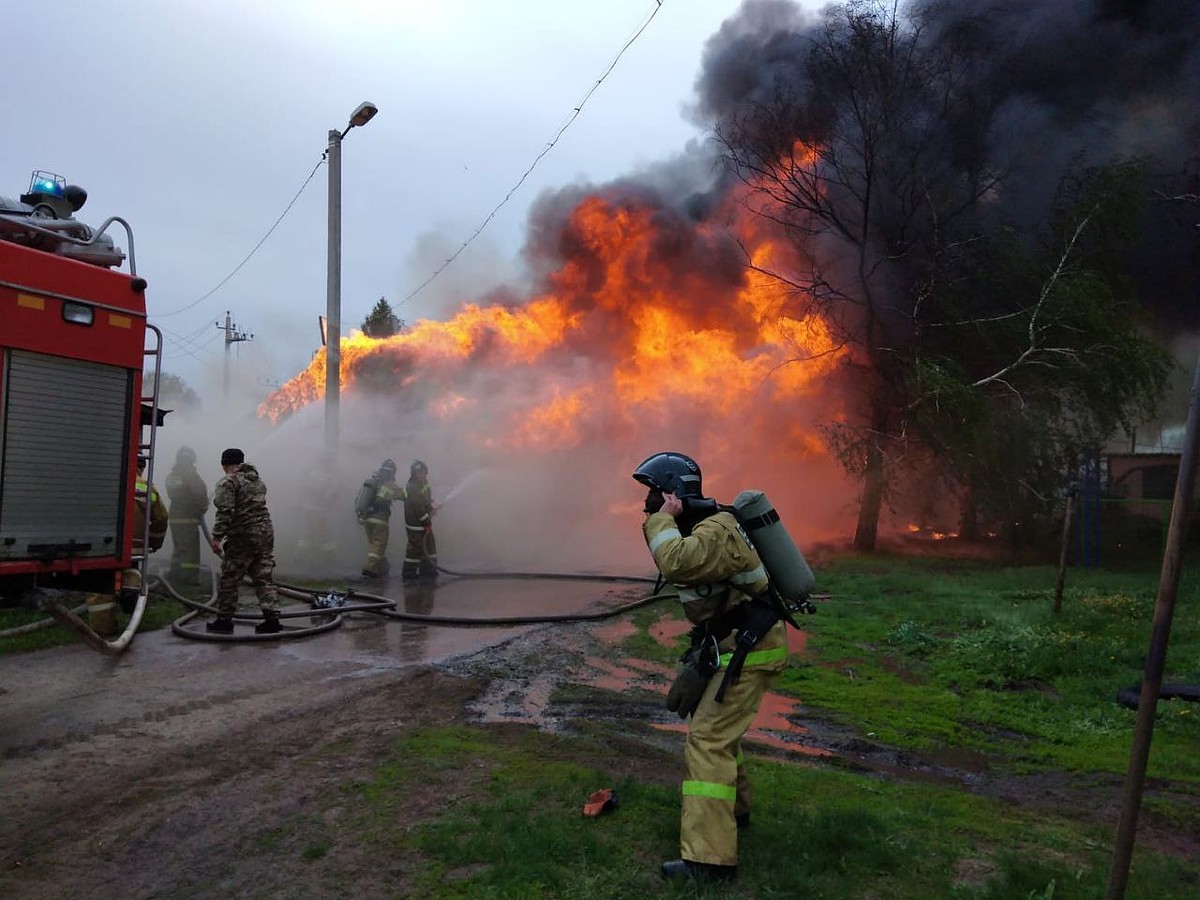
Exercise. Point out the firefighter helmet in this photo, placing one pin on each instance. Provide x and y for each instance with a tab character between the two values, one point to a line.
671	473
418	469
388	467
186	456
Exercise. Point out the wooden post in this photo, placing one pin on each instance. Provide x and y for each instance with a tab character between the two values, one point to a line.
1156	656
1062	556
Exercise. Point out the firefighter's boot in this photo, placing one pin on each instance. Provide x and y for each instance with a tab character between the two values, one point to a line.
685	868
270	624
220	625
102	614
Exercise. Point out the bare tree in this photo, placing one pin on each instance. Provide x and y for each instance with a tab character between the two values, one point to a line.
855	164
874	160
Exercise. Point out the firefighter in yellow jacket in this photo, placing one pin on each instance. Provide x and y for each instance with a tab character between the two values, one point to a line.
707	555
420	556
146	500
373	505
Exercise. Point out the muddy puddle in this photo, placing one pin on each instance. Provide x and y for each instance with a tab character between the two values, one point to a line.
782	726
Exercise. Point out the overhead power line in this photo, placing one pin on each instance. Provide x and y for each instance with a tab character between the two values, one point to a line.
245	260
575	113
570	120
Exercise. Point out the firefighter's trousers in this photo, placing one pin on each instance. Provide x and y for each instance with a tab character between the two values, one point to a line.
185	555
420	556
316	546
715	787
377	531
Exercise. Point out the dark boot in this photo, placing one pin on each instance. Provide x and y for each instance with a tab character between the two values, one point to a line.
221	625
409	574
128	601
269	625
685	868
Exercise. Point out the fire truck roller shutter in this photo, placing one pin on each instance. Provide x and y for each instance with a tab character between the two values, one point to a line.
64	431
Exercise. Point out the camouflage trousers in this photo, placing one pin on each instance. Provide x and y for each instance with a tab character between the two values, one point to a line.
252	556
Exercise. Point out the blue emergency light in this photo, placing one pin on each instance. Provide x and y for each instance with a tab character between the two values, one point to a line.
47	183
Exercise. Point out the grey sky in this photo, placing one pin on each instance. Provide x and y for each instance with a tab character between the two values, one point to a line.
198	121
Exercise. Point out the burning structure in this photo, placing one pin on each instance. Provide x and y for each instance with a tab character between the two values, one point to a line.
700	307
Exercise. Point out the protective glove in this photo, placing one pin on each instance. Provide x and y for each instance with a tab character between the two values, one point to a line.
684	695
699	664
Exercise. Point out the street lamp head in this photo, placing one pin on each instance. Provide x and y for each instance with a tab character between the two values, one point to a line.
363	114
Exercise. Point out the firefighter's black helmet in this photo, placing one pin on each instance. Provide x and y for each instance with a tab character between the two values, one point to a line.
418	468
671	473
388	467
186	456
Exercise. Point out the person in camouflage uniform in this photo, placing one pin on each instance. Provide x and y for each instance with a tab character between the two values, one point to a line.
189	502
420	557
374	514
244	537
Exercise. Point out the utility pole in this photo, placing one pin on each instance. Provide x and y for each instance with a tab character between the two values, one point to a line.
333	274
233	335
1156	653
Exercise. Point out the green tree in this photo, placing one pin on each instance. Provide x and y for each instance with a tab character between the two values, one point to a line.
853	159
996	354
382	320
173	393
1034	351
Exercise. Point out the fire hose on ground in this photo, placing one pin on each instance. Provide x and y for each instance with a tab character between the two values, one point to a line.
71	618
331	605
31	627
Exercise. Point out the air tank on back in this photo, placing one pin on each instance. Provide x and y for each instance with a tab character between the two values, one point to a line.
789	573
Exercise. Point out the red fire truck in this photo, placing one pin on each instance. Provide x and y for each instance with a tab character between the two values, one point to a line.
74	342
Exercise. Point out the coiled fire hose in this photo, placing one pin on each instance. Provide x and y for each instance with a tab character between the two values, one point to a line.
330	606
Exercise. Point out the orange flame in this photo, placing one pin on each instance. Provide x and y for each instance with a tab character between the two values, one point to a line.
650	319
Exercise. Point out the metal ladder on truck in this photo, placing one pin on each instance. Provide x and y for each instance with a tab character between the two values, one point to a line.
147	442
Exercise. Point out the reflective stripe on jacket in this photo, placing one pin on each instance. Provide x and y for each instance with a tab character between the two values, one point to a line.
418	503
158	516
715	568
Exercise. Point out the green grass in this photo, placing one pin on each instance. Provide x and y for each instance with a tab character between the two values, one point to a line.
160	612
508	824
925	654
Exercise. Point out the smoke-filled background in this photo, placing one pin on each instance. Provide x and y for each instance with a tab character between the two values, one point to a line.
634	325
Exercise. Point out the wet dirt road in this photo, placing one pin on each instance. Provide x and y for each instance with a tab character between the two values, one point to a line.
166	686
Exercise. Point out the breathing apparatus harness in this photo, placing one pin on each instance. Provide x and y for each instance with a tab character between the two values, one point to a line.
789	583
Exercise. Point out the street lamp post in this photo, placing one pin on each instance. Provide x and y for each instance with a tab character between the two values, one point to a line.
333	281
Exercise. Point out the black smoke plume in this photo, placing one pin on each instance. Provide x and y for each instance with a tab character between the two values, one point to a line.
1064	83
